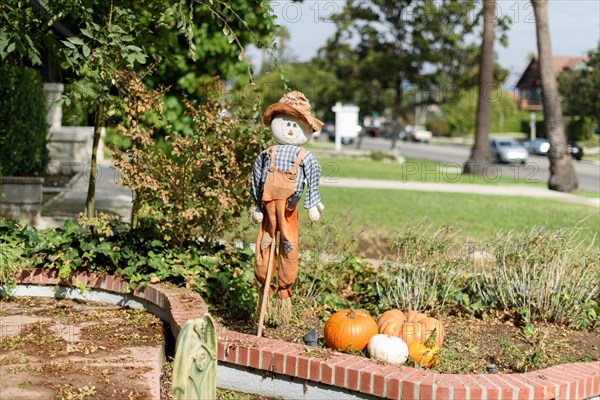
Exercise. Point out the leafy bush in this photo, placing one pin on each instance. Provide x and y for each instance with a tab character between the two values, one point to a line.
10	261
438	127
426	271
378	155
222	275
544	274
197	184
580	128
23	131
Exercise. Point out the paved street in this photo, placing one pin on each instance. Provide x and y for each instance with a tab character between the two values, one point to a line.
536	169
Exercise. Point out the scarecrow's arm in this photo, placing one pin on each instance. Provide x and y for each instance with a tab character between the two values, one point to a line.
312	173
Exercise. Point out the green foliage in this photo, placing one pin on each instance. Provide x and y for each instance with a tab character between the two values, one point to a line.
219	274
580	128
380	46
23	131
329	274
579	89
461	113
196	185
378	155
321	87
22	32
10	260
438	127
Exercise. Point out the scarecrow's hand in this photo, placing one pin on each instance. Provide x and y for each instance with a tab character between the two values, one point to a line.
314	213
257	215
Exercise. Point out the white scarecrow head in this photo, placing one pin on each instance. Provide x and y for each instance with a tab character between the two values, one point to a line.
290	120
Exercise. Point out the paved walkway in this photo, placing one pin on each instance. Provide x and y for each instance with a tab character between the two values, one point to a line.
496	190
110	197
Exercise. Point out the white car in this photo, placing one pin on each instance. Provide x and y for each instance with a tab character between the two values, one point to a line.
508	151
418	134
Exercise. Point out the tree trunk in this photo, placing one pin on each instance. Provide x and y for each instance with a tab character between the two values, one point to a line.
397	113
90	201
562	171
478	161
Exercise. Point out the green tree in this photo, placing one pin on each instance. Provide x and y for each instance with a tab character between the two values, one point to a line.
118	35
460	113
320	86
399	48
579	89
562	172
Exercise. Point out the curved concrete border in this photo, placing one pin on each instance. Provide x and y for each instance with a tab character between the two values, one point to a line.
352	376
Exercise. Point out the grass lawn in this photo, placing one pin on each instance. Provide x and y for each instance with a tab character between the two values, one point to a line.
382	212
480	216
414	170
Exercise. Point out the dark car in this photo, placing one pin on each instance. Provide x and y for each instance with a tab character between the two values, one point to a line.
575	150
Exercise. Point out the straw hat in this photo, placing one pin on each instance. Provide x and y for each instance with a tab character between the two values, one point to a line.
296	105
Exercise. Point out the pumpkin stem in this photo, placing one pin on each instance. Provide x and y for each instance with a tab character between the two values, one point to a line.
432	338
351	314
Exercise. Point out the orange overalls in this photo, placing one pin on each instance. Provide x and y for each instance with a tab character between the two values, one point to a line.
277	217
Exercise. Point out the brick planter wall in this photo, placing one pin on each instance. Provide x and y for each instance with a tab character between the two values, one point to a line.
567	381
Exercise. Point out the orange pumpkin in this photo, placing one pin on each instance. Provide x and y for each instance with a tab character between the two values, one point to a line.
426	354
431	324
415	316
412	332
392	323
349	329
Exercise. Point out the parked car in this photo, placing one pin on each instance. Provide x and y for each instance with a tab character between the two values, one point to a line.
508	150
539	146
575	150
417	134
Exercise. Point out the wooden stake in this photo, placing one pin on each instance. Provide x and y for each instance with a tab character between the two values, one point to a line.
267	285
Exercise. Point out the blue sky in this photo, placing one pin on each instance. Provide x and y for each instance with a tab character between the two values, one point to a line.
574	27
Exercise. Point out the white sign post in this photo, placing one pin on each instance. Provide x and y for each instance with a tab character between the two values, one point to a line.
346	123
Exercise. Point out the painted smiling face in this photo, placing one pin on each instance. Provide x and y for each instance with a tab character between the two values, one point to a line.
290	130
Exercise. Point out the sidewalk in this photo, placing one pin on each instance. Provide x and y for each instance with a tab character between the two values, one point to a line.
111	197
495	190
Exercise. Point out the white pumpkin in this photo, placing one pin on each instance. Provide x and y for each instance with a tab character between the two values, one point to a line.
390	349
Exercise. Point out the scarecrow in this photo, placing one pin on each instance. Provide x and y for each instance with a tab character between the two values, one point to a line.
279	176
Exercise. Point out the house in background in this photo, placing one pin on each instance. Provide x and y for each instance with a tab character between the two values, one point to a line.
529	85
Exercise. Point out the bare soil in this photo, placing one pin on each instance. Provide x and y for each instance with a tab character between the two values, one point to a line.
471	344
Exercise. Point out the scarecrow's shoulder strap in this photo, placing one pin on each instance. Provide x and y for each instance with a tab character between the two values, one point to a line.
272	152
298	160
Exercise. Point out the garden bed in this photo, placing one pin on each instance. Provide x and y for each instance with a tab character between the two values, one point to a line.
268	362
471	344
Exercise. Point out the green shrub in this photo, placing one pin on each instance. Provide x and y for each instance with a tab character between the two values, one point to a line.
378	155
222	275
438	127
23	131
580	128
196	184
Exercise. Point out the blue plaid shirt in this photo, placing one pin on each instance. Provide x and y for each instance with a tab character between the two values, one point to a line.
309	173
